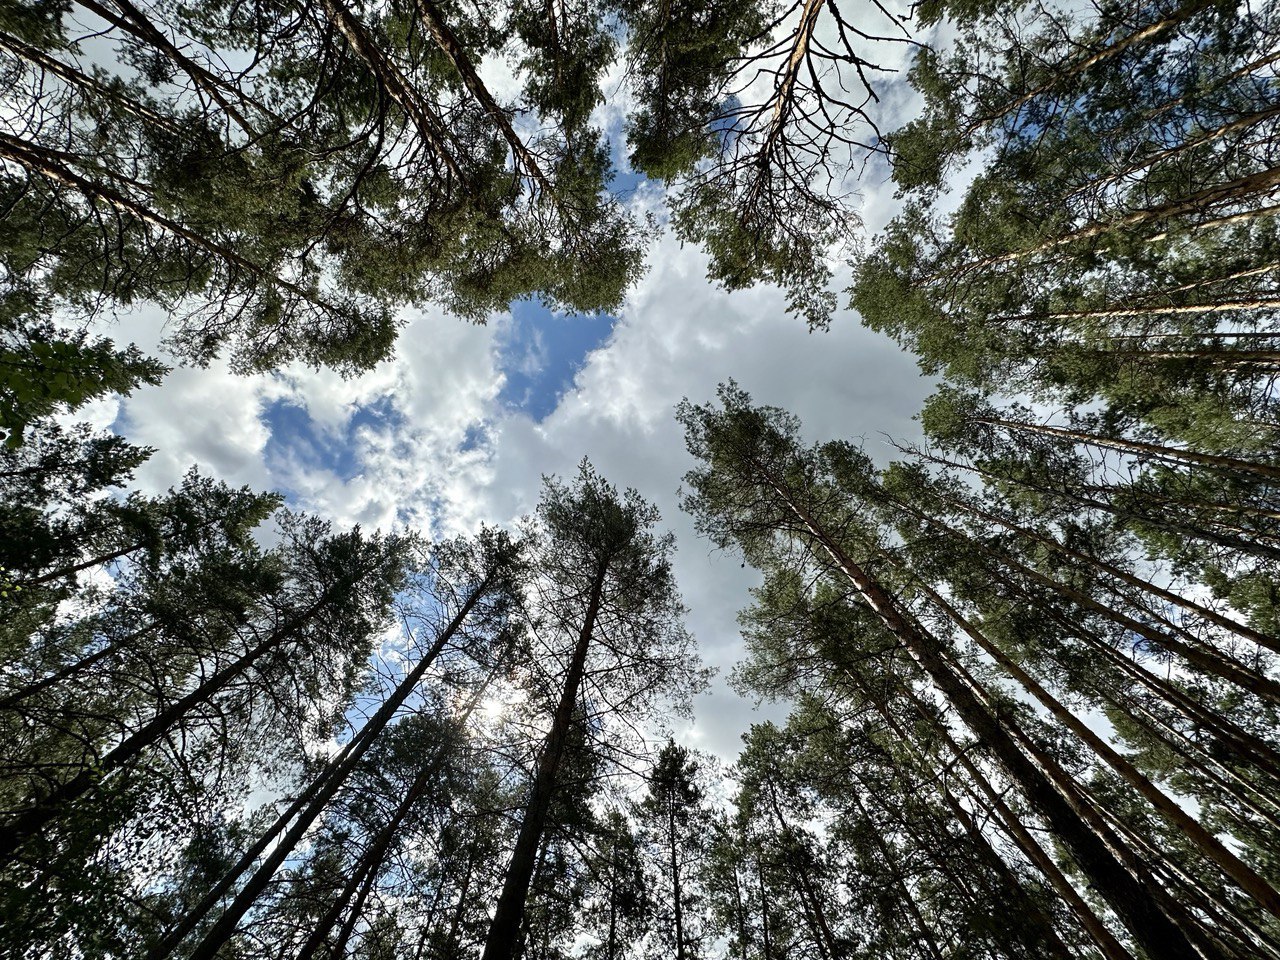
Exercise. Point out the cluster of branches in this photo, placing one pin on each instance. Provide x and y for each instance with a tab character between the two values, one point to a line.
284	179
303	750
1119	243
1003	639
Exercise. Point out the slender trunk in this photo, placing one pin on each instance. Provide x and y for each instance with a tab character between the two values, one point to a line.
740	916
91	85
1107	944
906	899
820	929
503	938
1206	137
1238	275
11	700
1143	907
1205	842
1064	72
1257	184
1140	447
1193	756
1228	923
1125	513
376	852
394	83
310	804
83	565
52	805
1204	613
676	893
450	46
1234	509
1201	655
225	926
612	940
353	915
1007	877
133	21
1240	744
766	937
38	160
784	96
1157	310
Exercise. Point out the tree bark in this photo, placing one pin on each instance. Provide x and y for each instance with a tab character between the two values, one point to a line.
1209	845
1161	452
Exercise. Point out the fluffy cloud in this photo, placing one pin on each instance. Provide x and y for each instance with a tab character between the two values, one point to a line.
424	441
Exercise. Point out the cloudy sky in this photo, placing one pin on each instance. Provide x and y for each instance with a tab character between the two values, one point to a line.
462	424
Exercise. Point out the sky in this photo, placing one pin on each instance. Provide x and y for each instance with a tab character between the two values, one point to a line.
460	426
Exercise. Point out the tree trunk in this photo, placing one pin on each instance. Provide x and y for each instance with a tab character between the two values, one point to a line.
502	940
1110	947
1171	454
450	46
11	700
390	78
1204	613
1143	907
133	21
908	900
319	795
30	821
1205	842
676	893
1065	71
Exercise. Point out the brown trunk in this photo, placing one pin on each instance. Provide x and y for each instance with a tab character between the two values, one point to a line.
390	78
1207	843
1121	512
11	700
1240	744
1144	908
1110	947
1205	657
906	899
38	160
1159	451
820	930
764	910
1066	71
52	805
1204	613
1257	184
133	21
70	75
1206	137
676	893
375	854
448	43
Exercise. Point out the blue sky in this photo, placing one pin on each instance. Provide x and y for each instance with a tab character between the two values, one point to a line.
541	353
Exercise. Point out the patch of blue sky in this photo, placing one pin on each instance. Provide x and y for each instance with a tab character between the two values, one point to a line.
295	437
540	353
